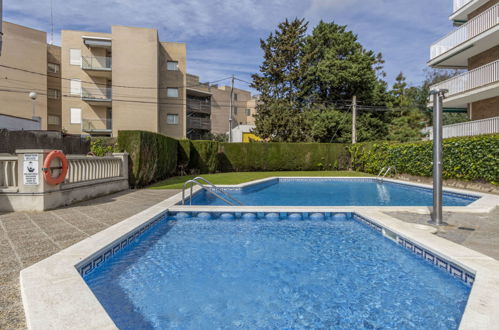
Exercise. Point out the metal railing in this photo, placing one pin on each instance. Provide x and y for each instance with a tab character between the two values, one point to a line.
481	23
92	125
385	170
470	128
96	62
211	188
84	168
199	123
458	4
96	93
8	171
479	77
198	106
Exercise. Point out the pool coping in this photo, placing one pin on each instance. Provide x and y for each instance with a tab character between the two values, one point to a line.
56	296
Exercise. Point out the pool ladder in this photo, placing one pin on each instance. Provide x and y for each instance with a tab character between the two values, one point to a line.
385	170
211	188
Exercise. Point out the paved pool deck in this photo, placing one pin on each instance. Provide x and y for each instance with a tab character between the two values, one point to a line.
26	238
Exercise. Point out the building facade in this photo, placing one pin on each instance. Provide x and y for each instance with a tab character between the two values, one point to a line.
124	80
474	46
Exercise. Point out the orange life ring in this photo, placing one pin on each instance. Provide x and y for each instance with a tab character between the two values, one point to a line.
47	168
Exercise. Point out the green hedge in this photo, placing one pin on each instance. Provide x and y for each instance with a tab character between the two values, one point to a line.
152	157
473	158
283	156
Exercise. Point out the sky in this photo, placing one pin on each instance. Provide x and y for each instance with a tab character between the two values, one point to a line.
223	36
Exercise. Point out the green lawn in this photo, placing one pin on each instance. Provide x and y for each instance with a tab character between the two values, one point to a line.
176	182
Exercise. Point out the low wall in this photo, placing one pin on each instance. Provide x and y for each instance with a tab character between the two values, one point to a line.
22	187
69	144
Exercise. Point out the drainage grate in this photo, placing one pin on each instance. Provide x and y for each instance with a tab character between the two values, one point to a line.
466	228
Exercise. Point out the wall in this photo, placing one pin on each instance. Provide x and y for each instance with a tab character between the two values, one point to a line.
69	144
483	8
54	106
220	108
26	49
171	51
488	56
135	63
487	108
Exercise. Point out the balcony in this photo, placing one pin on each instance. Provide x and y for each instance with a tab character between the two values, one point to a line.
198	106
199	123
478	84
470	128
97	96
97	66
471	38
462	8
101	126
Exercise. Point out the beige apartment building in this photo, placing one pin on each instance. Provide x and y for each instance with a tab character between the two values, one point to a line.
28	64
473	45
126	79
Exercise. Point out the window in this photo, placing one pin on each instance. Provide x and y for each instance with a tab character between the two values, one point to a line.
52	68
172	92
235	110
248	112
75	87
235	96
53	120
75	56
172	66
75	116
54	94
172	119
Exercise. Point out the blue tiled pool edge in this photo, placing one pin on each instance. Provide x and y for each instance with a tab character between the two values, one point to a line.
99	258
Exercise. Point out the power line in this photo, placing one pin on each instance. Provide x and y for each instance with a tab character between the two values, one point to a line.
118	86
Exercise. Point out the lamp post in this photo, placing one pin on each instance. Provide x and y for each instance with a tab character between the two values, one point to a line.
438	96
33	96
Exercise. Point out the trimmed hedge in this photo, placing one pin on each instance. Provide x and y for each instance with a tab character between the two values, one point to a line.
284	156
474	158
152	157
204	156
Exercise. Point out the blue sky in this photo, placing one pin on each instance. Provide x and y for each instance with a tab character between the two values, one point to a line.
222	36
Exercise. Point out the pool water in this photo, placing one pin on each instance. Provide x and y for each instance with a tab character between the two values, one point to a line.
333	192
333	273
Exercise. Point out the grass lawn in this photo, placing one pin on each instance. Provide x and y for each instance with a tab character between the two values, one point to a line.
176	182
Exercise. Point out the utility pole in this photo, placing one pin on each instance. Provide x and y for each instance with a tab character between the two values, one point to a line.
1	31
438	96
230	107
354	119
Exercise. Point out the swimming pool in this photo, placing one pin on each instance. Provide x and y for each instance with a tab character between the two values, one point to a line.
275	270
332	192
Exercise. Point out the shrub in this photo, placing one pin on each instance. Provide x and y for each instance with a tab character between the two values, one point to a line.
473	158
152	156
204	156
283	156
103	146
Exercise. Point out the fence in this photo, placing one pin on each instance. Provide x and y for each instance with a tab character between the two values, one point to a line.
8	174
471	128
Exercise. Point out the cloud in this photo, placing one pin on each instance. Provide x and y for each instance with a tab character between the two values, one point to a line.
222	36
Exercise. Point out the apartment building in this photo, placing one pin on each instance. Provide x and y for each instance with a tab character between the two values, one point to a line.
208	108
473	45
29	64
126	79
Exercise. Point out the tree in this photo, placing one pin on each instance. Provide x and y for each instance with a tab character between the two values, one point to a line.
337	67
279	115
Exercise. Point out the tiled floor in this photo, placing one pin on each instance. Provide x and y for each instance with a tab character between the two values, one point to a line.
26	238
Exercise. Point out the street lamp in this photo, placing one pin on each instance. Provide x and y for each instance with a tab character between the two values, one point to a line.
33	96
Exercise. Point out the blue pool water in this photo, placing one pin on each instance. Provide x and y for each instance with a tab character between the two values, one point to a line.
333	192
334	273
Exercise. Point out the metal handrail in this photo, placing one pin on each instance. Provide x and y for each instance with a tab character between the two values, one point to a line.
385	170
226	194
194	181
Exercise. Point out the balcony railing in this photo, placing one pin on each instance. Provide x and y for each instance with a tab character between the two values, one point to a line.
470	128
96	125
96	94
198	106
479	77
458	4
479	24
199	123
96	63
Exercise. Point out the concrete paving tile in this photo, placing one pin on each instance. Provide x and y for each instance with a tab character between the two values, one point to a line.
11	294
8	265
33	259
68	236
9	277
12	317
39	247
